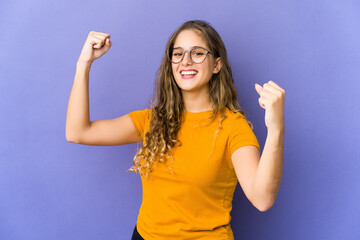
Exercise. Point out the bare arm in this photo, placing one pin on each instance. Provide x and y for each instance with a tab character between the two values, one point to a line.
78	115
268	176
79	128
260	177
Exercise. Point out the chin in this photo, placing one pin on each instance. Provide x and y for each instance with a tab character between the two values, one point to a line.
185	86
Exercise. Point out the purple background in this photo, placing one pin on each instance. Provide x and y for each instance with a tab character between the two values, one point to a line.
53	189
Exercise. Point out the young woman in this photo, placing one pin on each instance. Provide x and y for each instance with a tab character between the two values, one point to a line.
197	143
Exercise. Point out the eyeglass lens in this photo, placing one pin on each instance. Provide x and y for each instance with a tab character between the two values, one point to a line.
197	55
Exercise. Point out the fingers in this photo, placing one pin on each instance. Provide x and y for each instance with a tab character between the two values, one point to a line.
95	41
269	89
107	45
96	45
276	86
258	88
262	102
265	91
270	94
108	42
98	39
100	34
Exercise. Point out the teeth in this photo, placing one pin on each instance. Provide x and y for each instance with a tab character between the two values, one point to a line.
188	73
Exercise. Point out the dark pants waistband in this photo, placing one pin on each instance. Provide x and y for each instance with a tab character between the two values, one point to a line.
136	235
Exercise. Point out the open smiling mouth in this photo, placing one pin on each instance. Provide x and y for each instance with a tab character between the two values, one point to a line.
188	74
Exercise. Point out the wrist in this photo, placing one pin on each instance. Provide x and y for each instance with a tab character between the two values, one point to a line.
83	64
276	131
277	128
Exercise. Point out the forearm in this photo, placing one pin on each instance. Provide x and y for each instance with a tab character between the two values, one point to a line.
268	176
78	114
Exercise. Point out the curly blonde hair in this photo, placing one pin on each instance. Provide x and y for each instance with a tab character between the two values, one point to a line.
167	106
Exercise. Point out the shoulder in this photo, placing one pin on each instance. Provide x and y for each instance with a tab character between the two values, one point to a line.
241	132
141	119
140	116
234	116
237	119
141	113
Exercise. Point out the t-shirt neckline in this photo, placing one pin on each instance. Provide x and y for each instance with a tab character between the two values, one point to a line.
198	115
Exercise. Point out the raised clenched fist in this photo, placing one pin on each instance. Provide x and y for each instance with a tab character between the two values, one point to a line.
272	99
96	45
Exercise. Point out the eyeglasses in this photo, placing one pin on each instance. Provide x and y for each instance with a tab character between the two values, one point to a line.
197	54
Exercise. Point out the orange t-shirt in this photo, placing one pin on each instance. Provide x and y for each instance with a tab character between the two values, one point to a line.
195	202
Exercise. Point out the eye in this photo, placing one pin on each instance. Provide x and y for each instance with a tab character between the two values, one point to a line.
177	53
198	52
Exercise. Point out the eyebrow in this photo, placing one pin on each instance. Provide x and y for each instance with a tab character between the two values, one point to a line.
190	48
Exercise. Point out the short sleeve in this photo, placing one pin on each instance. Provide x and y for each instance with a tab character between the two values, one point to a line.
139	119
241	134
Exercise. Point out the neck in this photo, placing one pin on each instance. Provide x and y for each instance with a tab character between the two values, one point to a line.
197	101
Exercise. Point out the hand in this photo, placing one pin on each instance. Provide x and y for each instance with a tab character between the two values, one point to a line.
272	99
96	45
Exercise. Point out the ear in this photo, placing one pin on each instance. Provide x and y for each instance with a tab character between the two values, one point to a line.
217	65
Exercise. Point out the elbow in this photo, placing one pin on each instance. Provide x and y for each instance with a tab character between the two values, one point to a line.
71	138
263	202
264	206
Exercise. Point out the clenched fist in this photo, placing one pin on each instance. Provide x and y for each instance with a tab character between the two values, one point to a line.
96	45
272	99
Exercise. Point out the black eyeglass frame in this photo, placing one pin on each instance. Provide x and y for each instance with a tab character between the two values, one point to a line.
188	51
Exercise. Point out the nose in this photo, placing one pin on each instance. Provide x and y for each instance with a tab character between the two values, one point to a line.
186	60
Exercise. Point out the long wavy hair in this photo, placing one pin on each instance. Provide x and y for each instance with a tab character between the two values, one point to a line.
167	105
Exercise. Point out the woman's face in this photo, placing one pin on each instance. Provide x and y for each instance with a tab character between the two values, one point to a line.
200	73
